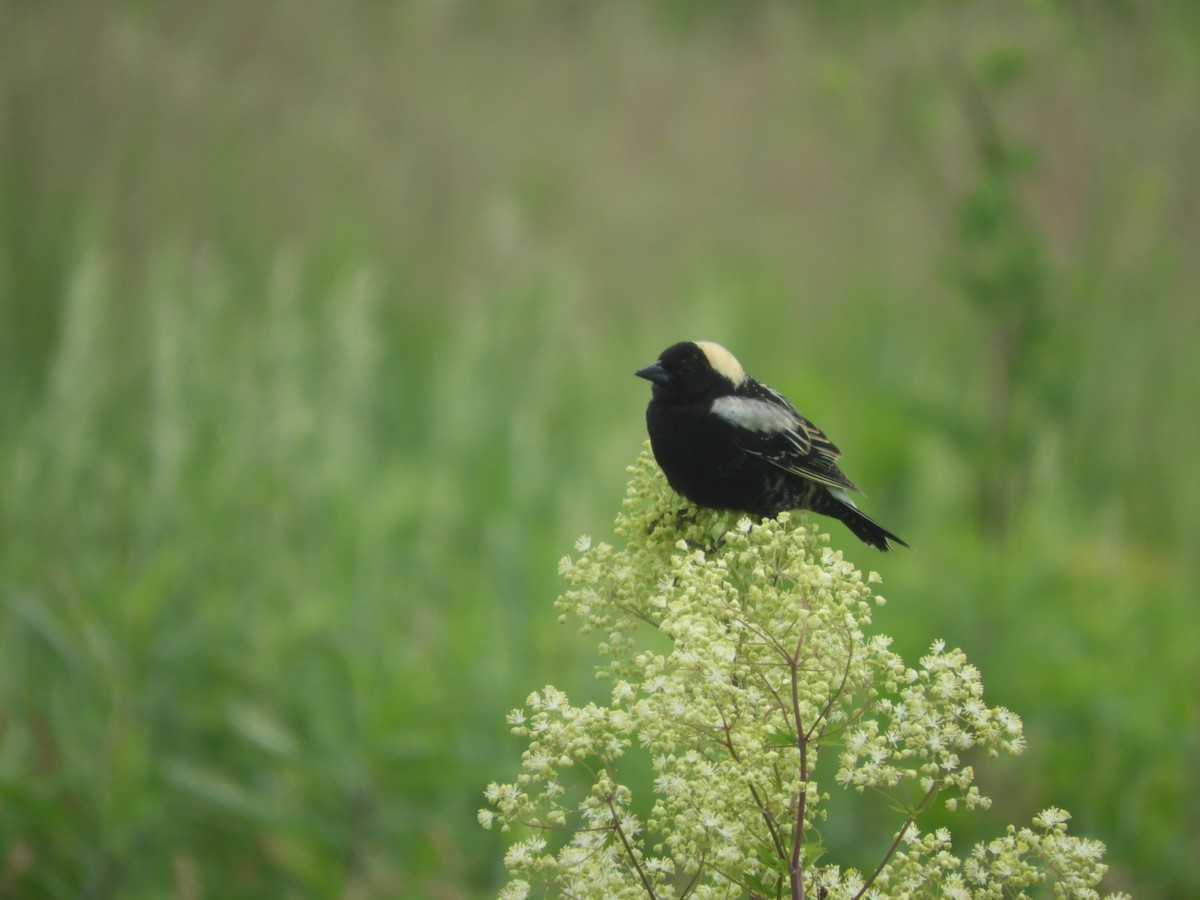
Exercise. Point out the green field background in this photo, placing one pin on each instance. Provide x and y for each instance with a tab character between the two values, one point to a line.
317	332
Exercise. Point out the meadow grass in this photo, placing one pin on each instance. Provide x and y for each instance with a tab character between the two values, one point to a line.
317	354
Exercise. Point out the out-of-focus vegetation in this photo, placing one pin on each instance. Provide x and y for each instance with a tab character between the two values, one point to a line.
317	332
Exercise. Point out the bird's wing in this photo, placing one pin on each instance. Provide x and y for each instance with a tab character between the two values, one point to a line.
772	428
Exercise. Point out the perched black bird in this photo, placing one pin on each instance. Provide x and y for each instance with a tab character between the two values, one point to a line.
726	441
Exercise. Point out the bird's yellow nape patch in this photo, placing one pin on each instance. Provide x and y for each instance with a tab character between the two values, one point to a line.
723	362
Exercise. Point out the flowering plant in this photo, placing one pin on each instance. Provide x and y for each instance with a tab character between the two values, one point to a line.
768	692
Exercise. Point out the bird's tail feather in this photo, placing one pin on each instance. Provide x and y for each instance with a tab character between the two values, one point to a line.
863	526
869	531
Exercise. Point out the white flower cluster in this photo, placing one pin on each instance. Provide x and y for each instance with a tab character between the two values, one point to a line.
768	668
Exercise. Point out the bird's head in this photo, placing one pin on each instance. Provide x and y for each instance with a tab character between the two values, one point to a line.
692	370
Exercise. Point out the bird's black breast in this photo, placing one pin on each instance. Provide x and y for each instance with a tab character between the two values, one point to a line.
700	457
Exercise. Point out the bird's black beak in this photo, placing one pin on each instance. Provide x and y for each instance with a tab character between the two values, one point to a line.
654	372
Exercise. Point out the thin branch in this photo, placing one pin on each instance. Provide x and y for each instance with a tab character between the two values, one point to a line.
896	842
769	818
833	697
795	872
565	829
691	885
629	851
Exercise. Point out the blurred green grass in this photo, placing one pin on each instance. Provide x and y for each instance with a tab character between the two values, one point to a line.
318	333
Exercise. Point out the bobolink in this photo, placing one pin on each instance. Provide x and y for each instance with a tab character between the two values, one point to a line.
726	441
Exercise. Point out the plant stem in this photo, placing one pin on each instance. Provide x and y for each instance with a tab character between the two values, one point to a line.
795	871
896	841
629	849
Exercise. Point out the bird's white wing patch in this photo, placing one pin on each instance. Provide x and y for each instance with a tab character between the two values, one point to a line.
753	415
